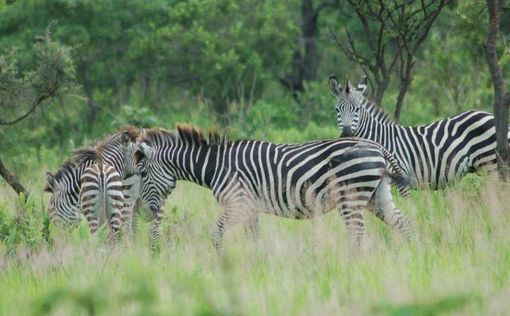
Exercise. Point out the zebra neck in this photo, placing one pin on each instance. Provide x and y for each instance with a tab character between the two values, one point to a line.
386	134
115	160
194	164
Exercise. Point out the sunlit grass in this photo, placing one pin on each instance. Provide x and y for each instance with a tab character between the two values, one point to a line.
460	262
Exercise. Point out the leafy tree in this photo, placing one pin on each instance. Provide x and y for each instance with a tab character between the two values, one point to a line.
392	34
21	94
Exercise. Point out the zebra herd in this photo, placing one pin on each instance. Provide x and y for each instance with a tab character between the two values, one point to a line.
351	174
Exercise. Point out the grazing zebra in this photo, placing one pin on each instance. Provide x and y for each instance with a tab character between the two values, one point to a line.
64	186
288	180
115	151
432	155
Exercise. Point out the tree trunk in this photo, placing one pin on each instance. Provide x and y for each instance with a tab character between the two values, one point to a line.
310	32
11	180
381	88
305	59
405	82
501	96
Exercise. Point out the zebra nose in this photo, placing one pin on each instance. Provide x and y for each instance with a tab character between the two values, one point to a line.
346	131
154	209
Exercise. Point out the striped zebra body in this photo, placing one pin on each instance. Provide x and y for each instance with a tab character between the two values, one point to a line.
64	186
101	198
432	155
114	151
288	180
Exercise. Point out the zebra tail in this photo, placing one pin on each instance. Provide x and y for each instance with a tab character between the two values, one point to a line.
403	182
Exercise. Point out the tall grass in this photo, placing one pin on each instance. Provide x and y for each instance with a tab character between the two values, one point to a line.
460	262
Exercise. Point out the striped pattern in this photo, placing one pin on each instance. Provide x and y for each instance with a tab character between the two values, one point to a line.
116	151
65	185
288	180
432	155
101	198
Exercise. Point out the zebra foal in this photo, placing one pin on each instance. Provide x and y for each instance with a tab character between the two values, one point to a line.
432	155
288	180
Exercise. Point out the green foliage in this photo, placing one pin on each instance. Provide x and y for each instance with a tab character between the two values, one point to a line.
442	306
26	225
51	71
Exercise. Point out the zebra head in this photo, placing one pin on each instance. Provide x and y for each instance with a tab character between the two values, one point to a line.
63	207
117	150
157	180
349	106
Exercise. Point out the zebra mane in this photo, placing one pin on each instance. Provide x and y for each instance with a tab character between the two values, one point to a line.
187	134
132	133
78	157
378	113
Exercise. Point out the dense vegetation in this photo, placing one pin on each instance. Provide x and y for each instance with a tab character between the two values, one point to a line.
252	69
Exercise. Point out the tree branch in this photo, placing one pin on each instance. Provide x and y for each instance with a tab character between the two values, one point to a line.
11	180
34	106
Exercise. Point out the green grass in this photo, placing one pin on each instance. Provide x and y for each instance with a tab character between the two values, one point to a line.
460	263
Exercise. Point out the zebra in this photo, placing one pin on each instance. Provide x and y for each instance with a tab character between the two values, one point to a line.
114	151
432	155
64	187
101	197
288	180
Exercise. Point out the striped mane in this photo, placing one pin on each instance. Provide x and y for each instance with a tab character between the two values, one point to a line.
187	134
378	113
78	157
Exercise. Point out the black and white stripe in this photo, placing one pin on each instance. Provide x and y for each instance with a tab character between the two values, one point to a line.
101	197
115	151
432	155
64	186
288	180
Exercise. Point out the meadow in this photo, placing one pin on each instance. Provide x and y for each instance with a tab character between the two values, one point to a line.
459	264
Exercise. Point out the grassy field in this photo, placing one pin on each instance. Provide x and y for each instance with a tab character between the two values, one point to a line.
460	263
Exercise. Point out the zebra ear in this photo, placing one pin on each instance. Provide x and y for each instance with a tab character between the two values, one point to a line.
50	183
363	84
125	138
334	86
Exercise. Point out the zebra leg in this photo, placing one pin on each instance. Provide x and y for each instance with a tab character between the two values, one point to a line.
234	214
115	222
252	229
218	231
386	210
126	216
131	192
92	219
354	223
88	203
155	230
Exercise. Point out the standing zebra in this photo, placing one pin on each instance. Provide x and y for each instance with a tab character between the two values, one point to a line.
113	154
288	180
101	197
432	155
